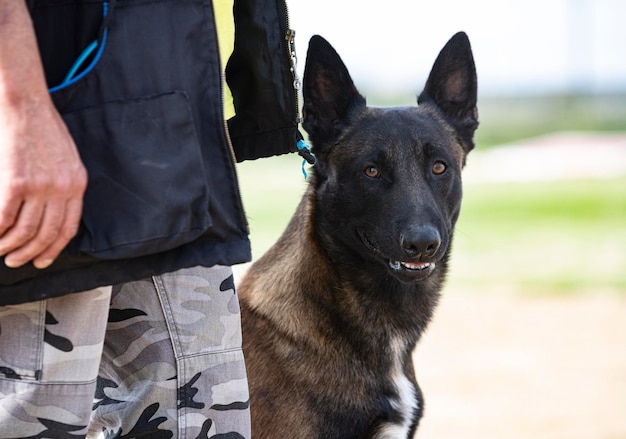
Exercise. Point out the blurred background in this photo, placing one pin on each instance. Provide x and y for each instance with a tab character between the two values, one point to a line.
529	340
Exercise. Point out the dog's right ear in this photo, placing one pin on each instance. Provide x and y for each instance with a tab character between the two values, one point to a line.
330	97
452	87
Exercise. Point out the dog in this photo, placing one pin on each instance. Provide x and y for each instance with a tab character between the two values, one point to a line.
332	312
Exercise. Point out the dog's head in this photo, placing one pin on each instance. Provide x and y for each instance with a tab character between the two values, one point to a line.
388	180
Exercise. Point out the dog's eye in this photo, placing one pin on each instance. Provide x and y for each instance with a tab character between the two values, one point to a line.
439	168
372	171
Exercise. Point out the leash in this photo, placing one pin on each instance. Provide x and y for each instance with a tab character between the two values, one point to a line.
304	150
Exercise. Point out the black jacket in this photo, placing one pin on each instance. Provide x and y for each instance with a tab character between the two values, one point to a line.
145	109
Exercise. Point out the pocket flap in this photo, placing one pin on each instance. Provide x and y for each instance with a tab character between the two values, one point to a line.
147	189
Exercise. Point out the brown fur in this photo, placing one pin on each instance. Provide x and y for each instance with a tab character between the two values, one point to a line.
329	325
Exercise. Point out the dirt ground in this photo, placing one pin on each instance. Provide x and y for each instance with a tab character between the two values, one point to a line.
507	366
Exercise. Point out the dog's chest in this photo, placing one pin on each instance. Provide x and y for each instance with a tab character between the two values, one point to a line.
404	402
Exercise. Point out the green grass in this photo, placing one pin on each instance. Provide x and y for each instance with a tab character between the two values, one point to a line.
567	236
540	237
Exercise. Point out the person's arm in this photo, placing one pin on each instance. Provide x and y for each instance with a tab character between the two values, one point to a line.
42	179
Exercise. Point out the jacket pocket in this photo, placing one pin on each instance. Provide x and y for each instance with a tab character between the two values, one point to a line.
147	189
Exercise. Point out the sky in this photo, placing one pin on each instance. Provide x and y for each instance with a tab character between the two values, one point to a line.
530	46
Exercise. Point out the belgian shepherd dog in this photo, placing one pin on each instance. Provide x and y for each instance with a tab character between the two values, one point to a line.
332	312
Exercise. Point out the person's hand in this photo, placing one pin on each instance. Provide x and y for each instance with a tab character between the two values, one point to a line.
42	182
42	179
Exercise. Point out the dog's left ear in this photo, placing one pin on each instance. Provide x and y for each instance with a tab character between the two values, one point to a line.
452	86
330	97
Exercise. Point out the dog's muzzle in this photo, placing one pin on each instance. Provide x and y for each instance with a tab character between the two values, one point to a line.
406	270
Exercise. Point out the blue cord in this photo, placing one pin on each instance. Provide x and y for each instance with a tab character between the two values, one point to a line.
305	151
70	77
79	61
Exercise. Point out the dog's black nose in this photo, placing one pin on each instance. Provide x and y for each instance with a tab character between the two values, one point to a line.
420	242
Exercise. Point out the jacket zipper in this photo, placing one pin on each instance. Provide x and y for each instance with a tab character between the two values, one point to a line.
233	157
297	85
290	38
229	141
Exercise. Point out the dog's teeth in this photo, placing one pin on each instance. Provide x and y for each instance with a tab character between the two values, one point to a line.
416	265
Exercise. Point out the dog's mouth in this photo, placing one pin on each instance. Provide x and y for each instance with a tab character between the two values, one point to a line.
407	271
415	266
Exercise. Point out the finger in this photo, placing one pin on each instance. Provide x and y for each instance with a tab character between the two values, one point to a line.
8	215
48	232
72	217
24	229
68	230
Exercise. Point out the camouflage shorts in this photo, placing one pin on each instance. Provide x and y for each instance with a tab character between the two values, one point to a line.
158	358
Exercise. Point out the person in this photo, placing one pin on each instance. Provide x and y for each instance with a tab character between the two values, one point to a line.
120	212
